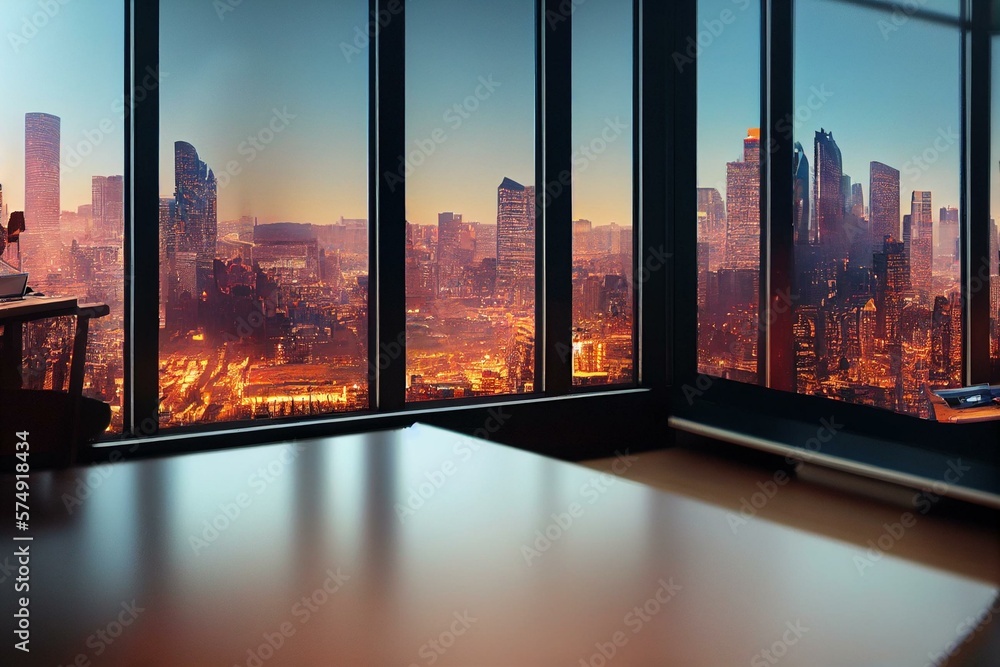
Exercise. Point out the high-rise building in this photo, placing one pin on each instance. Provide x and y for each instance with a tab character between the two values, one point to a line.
883	204
948	232
890	274
827	196
486	242
196	212
711	204
108	207
449	246
801	217
743	207
921	243
516	242
941	340
40	240
857	200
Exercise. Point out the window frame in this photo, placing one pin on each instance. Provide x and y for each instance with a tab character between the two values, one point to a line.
555	396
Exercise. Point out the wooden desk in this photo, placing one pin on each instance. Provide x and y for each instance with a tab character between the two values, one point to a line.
314	550
15	313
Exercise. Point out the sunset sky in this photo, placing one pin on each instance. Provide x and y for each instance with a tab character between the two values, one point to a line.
223	79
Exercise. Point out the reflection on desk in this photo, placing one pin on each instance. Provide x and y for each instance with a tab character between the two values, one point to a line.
421	546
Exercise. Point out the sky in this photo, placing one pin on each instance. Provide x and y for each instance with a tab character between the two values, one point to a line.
71	67
889	93
226	78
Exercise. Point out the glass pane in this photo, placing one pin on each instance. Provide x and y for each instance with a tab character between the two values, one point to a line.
994	217
877	293
62	128
729	186
470	174
603	268
263	230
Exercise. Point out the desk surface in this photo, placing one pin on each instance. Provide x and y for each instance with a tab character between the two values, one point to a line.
420	547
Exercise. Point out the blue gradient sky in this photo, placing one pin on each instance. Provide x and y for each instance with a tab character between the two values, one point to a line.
223	78
890	97
450	44
71	68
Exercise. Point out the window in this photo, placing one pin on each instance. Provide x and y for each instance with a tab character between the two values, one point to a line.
603	232
470	199
62	129
729	176
263	211
995	217
877	282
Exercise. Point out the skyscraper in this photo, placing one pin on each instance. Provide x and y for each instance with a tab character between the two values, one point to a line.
857	200
41	190
890	270
827	196
921	243
108	207
883	202
711	204
801	215
196	212
515	242
450	228
743	207
948	232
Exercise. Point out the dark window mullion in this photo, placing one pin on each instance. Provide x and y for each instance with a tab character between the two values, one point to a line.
976	260
554	199
142	210
775	349
387	228
669	140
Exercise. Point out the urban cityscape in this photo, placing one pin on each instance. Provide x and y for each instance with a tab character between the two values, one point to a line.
75	252
875	296
470	298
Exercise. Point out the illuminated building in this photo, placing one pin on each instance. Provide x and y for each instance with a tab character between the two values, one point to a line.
743	207
516	243
40	241
108	207
827	196
921	243
883	203
196	202
948	233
